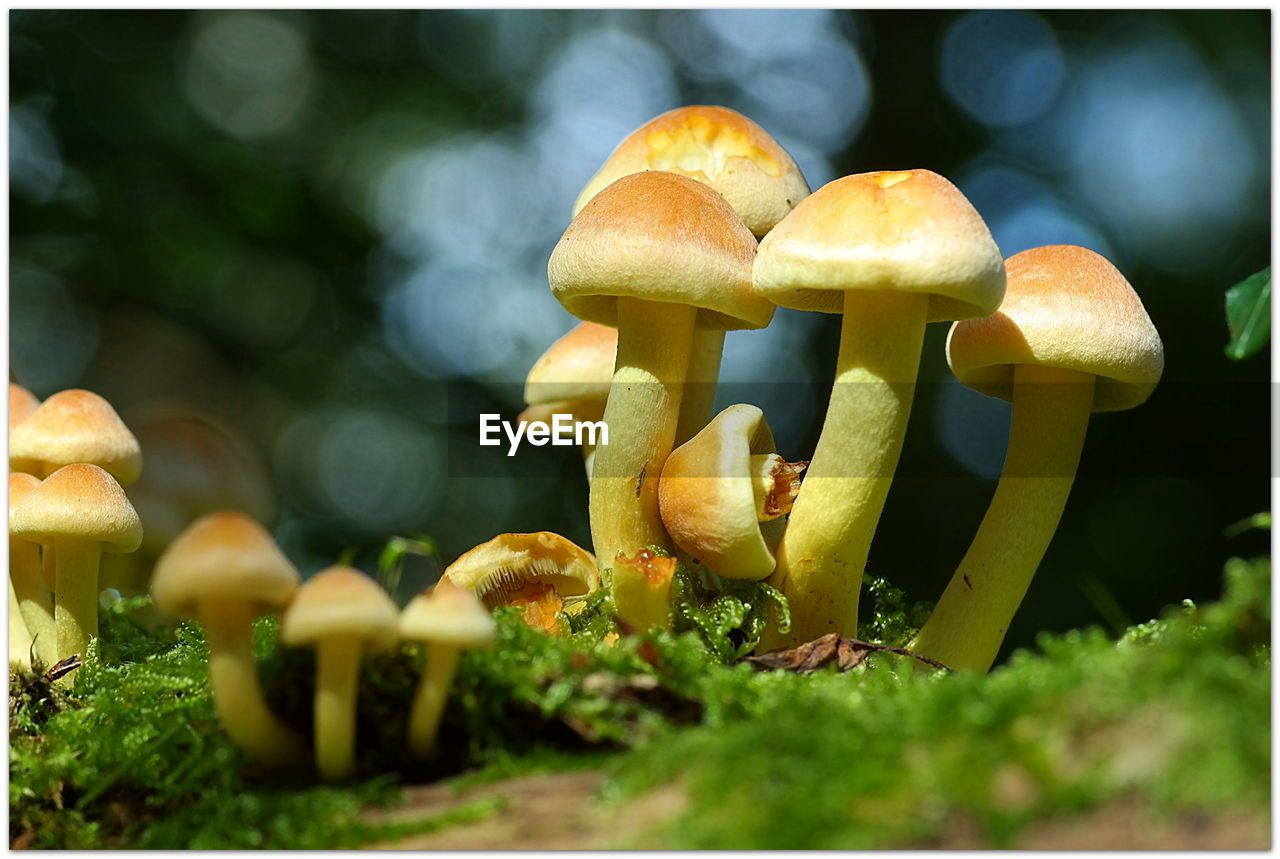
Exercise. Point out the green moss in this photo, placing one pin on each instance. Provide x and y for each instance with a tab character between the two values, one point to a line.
1177	712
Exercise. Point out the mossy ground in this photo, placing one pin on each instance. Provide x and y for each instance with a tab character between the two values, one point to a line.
1175	717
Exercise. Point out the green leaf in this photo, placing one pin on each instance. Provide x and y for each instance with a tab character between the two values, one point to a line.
1249	315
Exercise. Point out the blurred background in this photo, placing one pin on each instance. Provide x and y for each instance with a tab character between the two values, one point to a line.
325	234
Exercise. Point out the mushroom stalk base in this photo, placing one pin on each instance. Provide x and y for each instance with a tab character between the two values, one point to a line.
828	535
642	412
698	403
33	602
75	609
428	703
1050	415
233	674
20	641
337	681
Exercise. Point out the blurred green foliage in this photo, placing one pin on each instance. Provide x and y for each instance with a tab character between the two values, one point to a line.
1249	315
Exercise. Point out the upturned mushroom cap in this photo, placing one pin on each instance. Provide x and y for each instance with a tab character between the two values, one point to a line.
22	403
509	561
340	603
223	556
904	231
76	426
658	237
707	496
1069	308
82	502
716	146
450	615
573	376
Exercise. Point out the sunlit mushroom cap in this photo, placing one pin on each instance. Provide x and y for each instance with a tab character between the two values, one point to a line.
81	502
22	403
658	237
1065	307
450	615
573	375
509	561
75	426
707	498
716	146
20	486
223	556
902	231
340	603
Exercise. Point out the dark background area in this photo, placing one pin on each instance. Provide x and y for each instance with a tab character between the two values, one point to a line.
329	230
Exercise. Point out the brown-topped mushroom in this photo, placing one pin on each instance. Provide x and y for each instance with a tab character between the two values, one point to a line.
572	378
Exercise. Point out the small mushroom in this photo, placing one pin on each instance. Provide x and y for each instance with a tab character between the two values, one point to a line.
757	177
75	426
650	254
1070	338
447	619
533	571
78	512
34	602
22	403
720	486
891	251
646	582
341	612
572	378
223	571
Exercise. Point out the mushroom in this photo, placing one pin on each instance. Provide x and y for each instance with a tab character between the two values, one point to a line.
224	571
1071	337
20	640
78	512
21	404
34	603
75	426
645	583
650	254
735	156
891	251
341	612
446	618
720	486
572	378
532	571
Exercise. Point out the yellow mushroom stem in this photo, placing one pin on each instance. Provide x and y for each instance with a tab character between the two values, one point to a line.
646	584
775	483
1050	415
75	609
429	701
824	548
32	600
20	641
697	404
337	682
643	408
237	695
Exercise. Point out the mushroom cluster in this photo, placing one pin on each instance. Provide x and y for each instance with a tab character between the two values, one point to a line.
700	223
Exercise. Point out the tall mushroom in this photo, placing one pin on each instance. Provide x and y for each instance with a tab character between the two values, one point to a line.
891	251
735	156
722	488
78	512
341	612
534	572
32	598
648	255
572	378
1071	337
447	619
224	571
